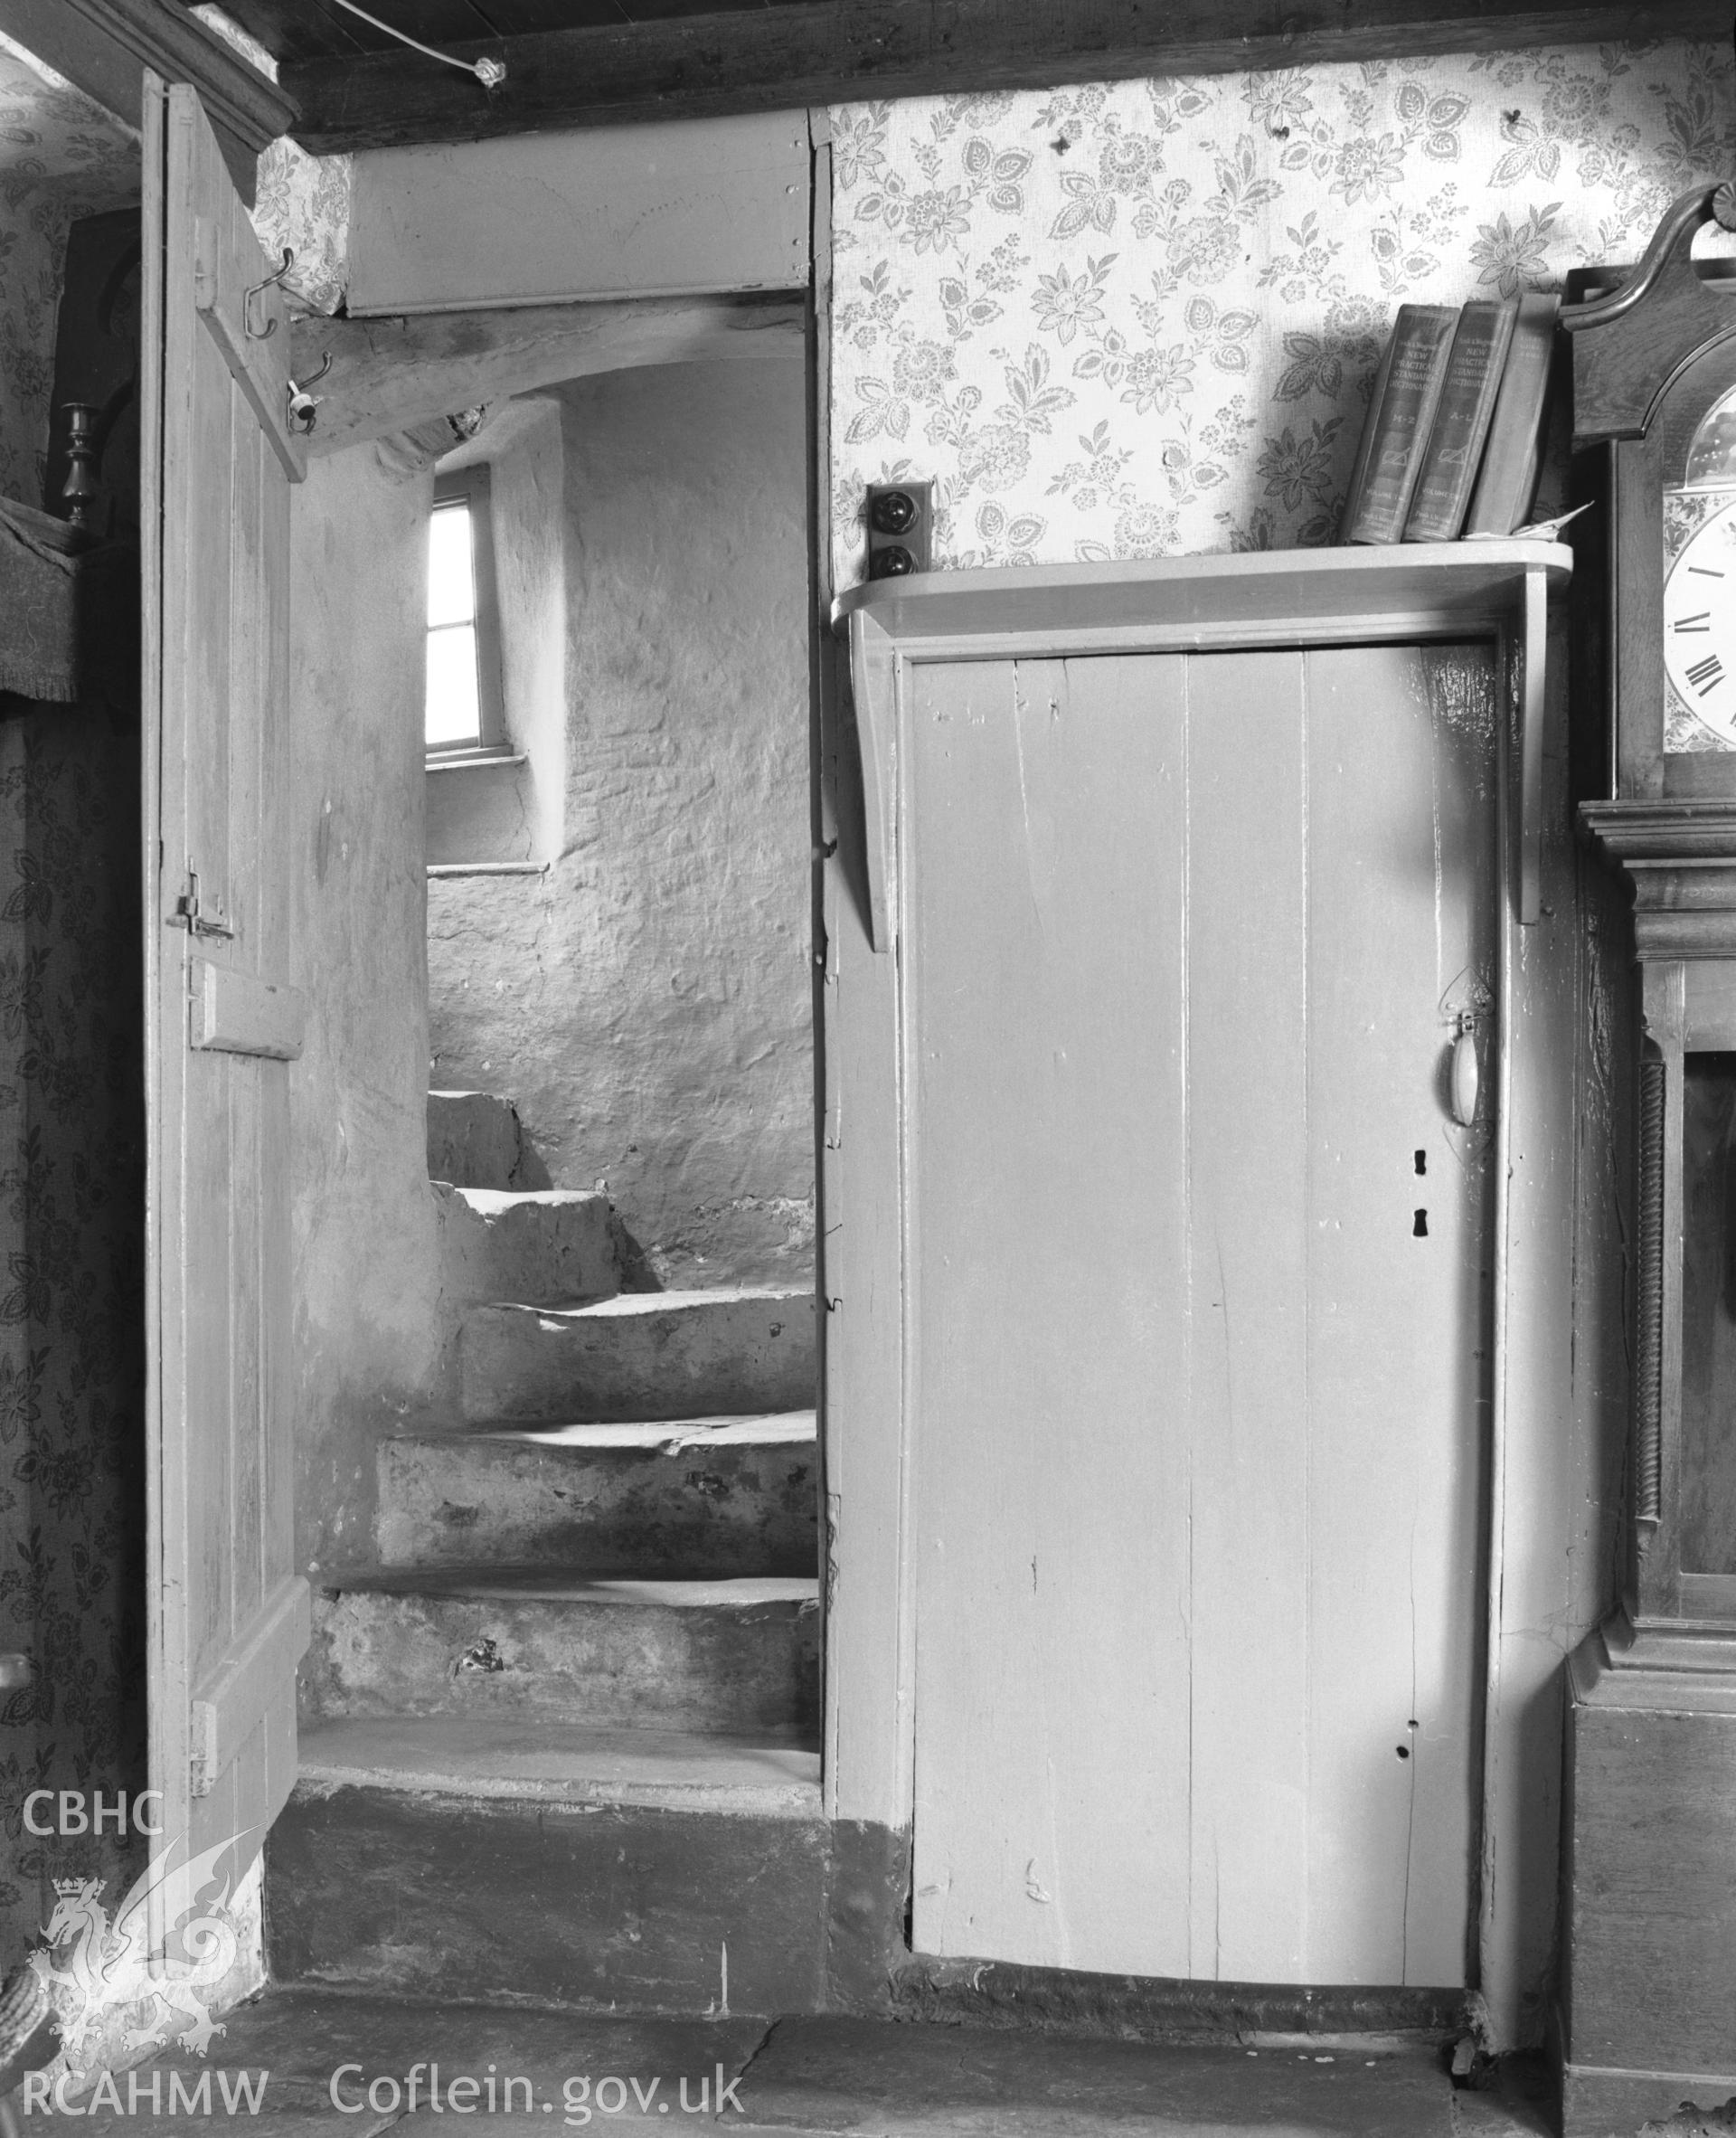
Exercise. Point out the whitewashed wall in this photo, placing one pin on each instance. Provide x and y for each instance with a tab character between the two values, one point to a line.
1140	319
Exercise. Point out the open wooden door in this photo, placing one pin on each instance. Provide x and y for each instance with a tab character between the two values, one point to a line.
229	1616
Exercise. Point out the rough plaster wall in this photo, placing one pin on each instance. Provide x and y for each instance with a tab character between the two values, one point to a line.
646	1002
366	1223
529	571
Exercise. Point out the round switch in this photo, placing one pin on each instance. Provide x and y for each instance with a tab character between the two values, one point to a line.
893	512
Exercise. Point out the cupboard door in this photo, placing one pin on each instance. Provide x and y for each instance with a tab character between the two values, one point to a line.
1199	1306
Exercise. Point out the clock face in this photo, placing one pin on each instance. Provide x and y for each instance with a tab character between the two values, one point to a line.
1700	629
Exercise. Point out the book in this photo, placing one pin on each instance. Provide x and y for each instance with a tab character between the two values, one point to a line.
1451	458
1508	479
1359	466
1406	392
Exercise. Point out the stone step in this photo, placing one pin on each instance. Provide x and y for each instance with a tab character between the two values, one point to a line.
475	1140
707	1497
546	1247
642	1355
509	1861
723	1657
555	1762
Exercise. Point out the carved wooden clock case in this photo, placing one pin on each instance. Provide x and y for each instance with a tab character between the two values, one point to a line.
1649	1974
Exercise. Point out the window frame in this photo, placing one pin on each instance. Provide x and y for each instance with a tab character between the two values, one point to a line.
473	487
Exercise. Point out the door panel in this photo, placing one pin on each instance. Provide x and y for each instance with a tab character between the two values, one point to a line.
1403	875
1244	1009
229	1614
1197	1409
1047	1244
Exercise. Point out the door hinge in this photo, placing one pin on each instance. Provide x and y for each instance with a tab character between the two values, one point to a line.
189	914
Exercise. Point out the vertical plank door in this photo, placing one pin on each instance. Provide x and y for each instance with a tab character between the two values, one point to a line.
228	1614
1198	1307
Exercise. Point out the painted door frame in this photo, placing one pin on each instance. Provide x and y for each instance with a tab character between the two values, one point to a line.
532	336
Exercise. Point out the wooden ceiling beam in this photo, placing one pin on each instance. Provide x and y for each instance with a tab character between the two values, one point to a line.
388	373
818	52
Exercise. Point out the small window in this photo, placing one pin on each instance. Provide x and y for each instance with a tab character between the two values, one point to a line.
463	693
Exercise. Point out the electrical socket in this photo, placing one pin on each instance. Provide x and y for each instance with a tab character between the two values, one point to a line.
900	527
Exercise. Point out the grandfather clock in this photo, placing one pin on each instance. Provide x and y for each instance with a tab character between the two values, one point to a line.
1649	1975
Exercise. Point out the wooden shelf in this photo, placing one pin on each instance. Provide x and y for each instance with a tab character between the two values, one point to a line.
1315	597
1257	597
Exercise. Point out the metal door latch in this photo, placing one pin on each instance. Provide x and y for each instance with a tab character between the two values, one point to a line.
1466	1076
189	914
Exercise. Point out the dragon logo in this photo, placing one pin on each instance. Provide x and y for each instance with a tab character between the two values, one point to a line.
91	1965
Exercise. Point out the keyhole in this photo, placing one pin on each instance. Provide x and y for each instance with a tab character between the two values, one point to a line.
1422	1162
1419	1230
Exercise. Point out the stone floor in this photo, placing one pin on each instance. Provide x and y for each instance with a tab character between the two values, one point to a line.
843	2078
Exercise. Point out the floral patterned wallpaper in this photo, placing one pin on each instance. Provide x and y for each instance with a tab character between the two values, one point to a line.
303	200
71	1291
60	155
1142	319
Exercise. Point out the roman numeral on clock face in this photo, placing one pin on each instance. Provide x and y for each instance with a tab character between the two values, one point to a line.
1700	620
1706	674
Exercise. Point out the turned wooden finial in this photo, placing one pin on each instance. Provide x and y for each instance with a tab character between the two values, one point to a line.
79	490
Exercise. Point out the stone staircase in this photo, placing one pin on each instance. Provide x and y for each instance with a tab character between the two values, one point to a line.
560	1738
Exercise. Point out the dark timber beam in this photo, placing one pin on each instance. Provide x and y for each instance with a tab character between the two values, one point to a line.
389	373
818	52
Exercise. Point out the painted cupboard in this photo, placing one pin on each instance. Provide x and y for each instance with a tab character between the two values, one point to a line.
1192	877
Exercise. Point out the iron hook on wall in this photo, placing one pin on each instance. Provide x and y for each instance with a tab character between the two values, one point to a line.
302	412
260	334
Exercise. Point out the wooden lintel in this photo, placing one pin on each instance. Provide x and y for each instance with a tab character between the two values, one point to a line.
103	47
387	374
819	51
